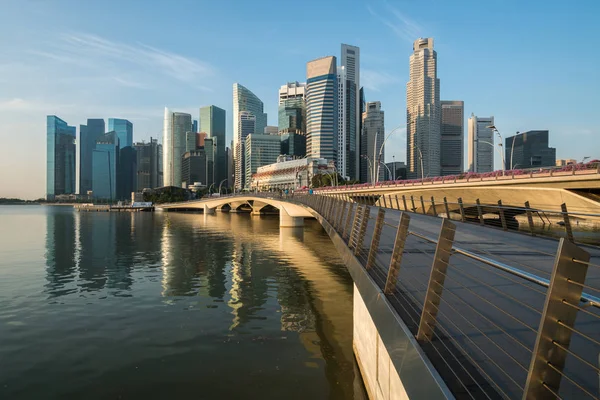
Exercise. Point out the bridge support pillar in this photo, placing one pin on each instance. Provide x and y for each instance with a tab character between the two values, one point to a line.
208	210
287	221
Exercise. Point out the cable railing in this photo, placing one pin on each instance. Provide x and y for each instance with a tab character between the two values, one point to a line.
499	315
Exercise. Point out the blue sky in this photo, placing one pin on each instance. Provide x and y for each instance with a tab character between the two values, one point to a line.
533	65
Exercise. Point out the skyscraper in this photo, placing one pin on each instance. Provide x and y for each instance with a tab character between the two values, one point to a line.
529	150
127	172
60	157
105	160
351	64
372	141
423	112
88	134
260	150
124	130
292	119
244	100
322	108
212	121
481	144
453	133
148	155
246	125
342	156
176	125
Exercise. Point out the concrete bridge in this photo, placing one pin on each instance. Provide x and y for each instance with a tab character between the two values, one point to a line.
446	309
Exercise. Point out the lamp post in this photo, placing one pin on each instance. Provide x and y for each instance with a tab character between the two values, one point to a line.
381	149
493	128
584	158
220	185
420	155
491	144
394	165
512	149
370	164
388	168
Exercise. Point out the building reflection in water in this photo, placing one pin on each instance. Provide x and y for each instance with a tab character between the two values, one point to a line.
60	253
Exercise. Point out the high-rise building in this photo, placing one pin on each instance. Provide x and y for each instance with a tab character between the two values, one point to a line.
191	141
293	144
453	132
362	162
175	127
246	125
244	101
88	134
124	130
372	142
127	172
105	160
260	150
342	156
322	108
195	124
271	130
147	164
350	62
292	116
423	112
210	149
60	157
230	168
529	150
481	144
564	162
193	167
292	91
212	121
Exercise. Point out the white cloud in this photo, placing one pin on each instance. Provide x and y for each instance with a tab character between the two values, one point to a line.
376	80
404	27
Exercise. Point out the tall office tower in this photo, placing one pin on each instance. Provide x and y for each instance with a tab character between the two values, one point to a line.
271	130
260	150
372	141
230	169
453	133
321	108
423	112
529	150
244	101
105	160
88	134
350	62
174	140
293	144
60	157
212	121
193	167
342	155
292	91
481	144
292	116
147	165
246	125
195	124
127	159
191	141
210	149
362	163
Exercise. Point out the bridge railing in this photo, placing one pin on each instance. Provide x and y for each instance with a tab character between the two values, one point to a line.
500	315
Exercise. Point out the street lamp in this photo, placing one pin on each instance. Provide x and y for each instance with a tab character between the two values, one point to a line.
370	164
512	149
421	155
394	164
584	158
220	185
388	168
491	144
381	149
493	128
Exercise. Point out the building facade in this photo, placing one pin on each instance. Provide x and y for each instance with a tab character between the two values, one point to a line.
423	112
395	171
88	134
322	108
453	132
565	162
481	144
293	144
148	155
60	157
105	167
175	127
289	174
212	121
246	126
260	150
529	150
350	62
372	136
124	130
244	101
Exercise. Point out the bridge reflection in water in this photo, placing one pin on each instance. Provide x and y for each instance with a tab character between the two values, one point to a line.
489	313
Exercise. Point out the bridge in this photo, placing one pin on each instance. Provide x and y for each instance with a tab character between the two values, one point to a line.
449	309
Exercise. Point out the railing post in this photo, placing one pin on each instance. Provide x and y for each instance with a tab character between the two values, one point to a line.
363	229
436	281
433	206
390	201
447	209
502	217
423	206
412	200
554	333
529	217
340	219
384	201
375	240
396	261
346	233
462	209
352	240
397	202
565	214
404	201
479	213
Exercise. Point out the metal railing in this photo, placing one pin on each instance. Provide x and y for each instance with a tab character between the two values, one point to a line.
500	315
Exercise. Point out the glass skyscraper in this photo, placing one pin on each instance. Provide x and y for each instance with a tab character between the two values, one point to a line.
124	130
260	150
148	155
212	121
127	159
350	62
88	134
60	157
322	108
175	127
244	101
105	164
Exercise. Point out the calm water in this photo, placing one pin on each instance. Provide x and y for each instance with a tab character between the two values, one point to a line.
152	305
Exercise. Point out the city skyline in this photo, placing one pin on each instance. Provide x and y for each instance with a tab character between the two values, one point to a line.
134	75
